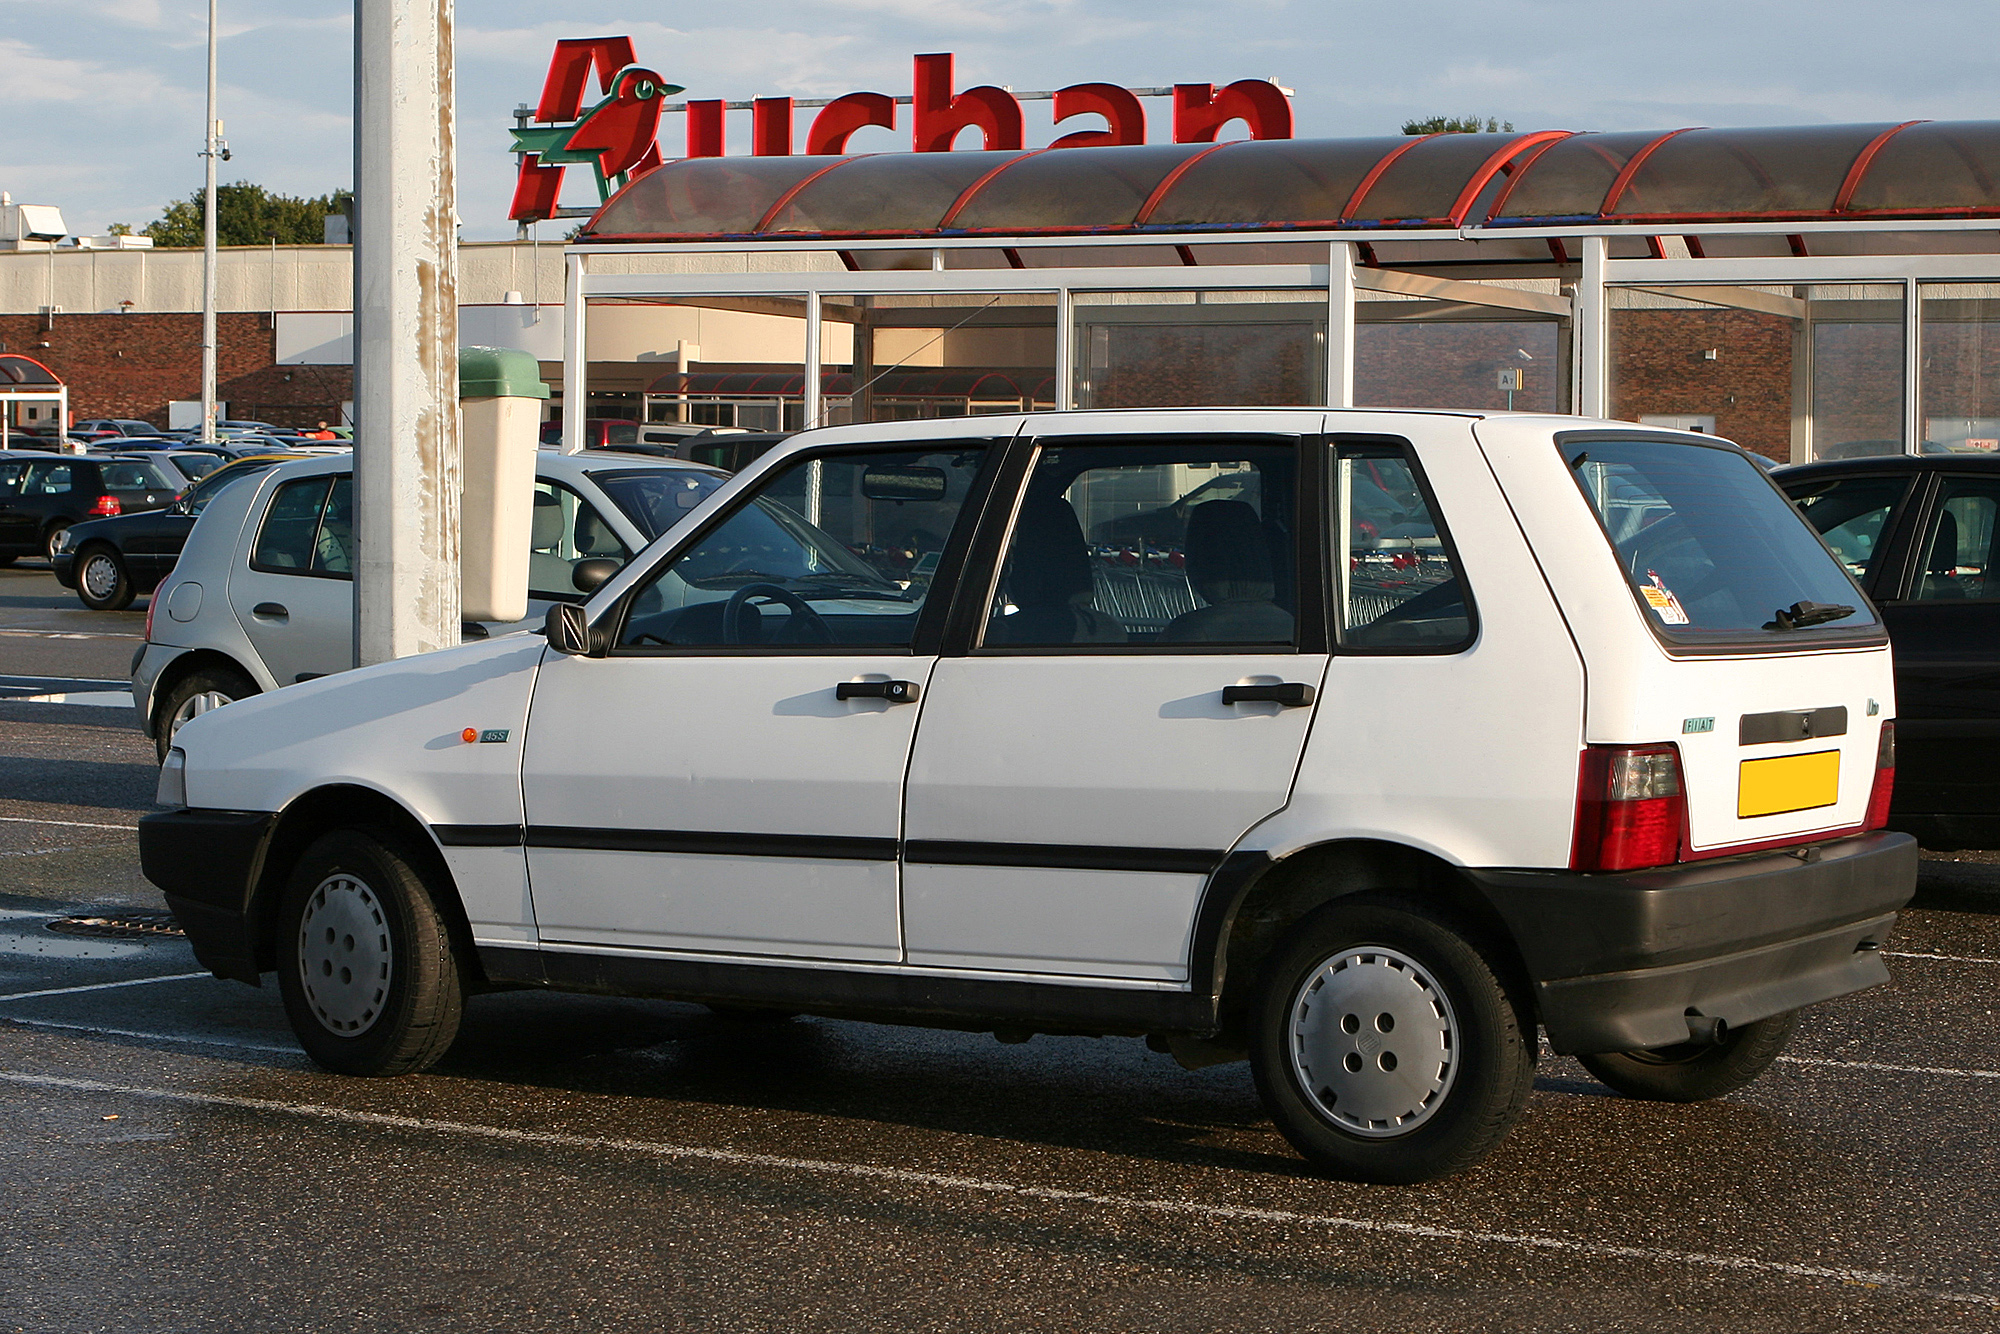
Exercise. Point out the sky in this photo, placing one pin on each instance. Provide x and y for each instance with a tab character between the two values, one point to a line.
104	97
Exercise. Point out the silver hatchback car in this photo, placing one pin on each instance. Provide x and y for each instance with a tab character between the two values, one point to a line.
263	593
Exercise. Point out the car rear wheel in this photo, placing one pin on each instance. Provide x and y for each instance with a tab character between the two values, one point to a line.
49	536
370	977
1690	1072
1386	1047
195	694
102	581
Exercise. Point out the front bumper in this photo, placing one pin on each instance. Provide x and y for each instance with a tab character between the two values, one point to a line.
64	565
1619	962
208	864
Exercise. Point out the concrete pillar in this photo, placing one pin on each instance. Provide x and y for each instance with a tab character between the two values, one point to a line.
406	456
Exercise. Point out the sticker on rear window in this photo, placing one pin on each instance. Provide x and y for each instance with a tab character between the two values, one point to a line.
1661	599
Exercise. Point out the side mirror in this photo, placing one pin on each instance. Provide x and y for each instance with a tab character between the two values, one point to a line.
568	629
587	574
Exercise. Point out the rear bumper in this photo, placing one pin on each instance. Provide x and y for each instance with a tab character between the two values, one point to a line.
1618	962
208	864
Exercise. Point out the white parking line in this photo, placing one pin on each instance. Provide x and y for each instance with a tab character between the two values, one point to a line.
70	634
67	824
1890	1069
984	1186
236	1043
1942	958
103	986
90	699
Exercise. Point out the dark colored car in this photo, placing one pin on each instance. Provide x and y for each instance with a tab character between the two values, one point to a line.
111	561
109	427
732	452
40	498
598	432
1918	536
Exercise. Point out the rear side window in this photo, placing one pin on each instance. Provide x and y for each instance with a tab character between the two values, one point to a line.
1714	553
1399	588
309	529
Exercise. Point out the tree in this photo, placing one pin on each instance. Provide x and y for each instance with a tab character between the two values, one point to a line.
1458	125
247	214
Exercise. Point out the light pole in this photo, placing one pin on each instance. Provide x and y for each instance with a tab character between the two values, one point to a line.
211	145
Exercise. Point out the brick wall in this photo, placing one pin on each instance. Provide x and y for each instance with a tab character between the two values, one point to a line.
132	366
1658	366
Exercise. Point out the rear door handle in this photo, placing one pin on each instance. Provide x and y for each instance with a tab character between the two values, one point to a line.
896	692
270	611
1291	694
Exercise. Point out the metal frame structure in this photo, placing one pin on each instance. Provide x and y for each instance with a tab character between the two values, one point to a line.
1449	258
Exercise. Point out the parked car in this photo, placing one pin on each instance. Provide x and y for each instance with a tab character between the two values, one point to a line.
1366	808
108	427
40	497
262	597
111	561
598	432
1918	535
733	451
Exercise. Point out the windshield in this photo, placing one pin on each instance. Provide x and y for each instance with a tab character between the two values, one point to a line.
134	476
197	466
1714	552
656	500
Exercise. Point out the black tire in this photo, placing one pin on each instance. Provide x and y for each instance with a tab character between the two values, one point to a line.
194	694
1427	1096
49	536
370	977
102	581
1687	1072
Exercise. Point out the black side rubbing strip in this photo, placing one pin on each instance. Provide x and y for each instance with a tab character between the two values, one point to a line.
714	843
1074	857
1759	729
478	835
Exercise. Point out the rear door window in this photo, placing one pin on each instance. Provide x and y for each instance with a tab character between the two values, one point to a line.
1714	553
1853	515
309	529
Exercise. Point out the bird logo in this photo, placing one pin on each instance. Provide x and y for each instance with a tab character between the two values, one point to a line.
612	137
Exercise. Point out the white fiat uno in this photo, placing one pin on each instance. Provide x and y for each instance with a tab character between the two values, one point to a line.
1361	744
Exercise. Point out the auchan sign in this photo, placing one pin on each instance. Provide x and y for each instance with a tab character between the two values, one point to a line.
618	134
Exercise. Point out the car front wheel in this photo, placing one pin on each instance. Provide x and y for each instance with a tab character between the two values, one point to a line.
102	581
370	978
1386	1047
195	694
1691	1072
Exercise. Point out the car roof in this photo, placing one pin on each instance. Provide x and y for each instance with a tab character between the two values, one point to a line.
1880	463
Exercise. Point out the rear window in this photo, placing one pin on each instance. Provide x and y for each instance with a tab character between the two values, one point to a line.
135	476
1715	554
656	501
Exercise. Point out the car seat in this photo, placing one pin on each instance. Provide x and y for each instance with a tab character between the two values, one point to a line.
547	571
1229	563
1048	581
1941	568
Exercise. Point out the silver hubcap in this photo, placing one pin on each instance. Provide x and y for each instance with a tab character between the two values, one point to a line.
344	955
100	576
193	707
1374	1042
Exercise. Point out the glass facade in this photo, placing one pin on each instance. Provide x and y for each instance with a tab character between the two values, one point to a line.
1137	349
1961	367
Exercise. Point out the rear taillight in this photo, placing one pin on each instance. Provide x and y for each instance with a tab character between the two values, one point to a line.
107	505
1630	808
152	604
1885	779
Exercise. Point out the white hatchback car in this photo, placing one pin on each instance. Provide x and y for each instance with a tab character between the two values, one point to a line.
1359	743
262	595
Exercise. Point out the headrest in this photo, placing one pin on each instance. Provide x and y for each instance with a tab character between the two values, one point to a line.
548	522
1228	554
1050	565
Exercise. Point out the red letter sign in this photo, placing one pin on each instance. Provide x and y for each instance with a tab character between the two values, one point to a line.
1117	105
538	188
940	116
1200	112
843	116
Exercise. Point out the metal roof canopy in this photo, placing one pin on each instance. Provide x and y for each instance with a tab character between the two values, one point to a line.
1859	177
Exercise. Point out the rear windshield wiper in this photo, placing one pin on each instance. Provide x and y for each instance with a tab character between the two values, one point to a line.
1802	614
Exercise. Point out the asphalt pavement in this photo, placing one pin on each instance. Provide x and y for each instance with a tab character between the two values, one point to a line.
170	1162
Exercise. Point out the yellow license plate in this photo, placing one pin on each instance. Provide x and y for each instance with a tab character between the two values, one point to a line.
1787	783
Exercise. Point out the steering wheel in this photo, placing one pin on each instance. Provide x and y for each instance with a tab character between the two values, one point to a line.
805	627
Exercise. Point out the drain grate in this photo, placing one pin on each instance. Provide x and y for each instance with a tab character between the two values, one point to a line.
134	925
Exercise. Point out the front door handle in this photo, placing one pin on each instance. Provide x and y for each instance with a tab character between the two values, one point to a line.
1291	694
271	611
896	692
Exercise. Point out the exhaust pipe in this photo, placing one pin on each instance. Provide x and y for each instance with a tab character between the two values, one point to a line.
1706	1030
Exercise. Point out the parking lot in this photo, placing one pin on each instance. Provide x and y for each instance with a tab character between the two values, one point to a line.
173	1163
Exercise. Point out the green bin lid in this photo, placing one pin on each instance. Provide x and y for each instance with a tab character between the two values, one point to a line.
499	372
